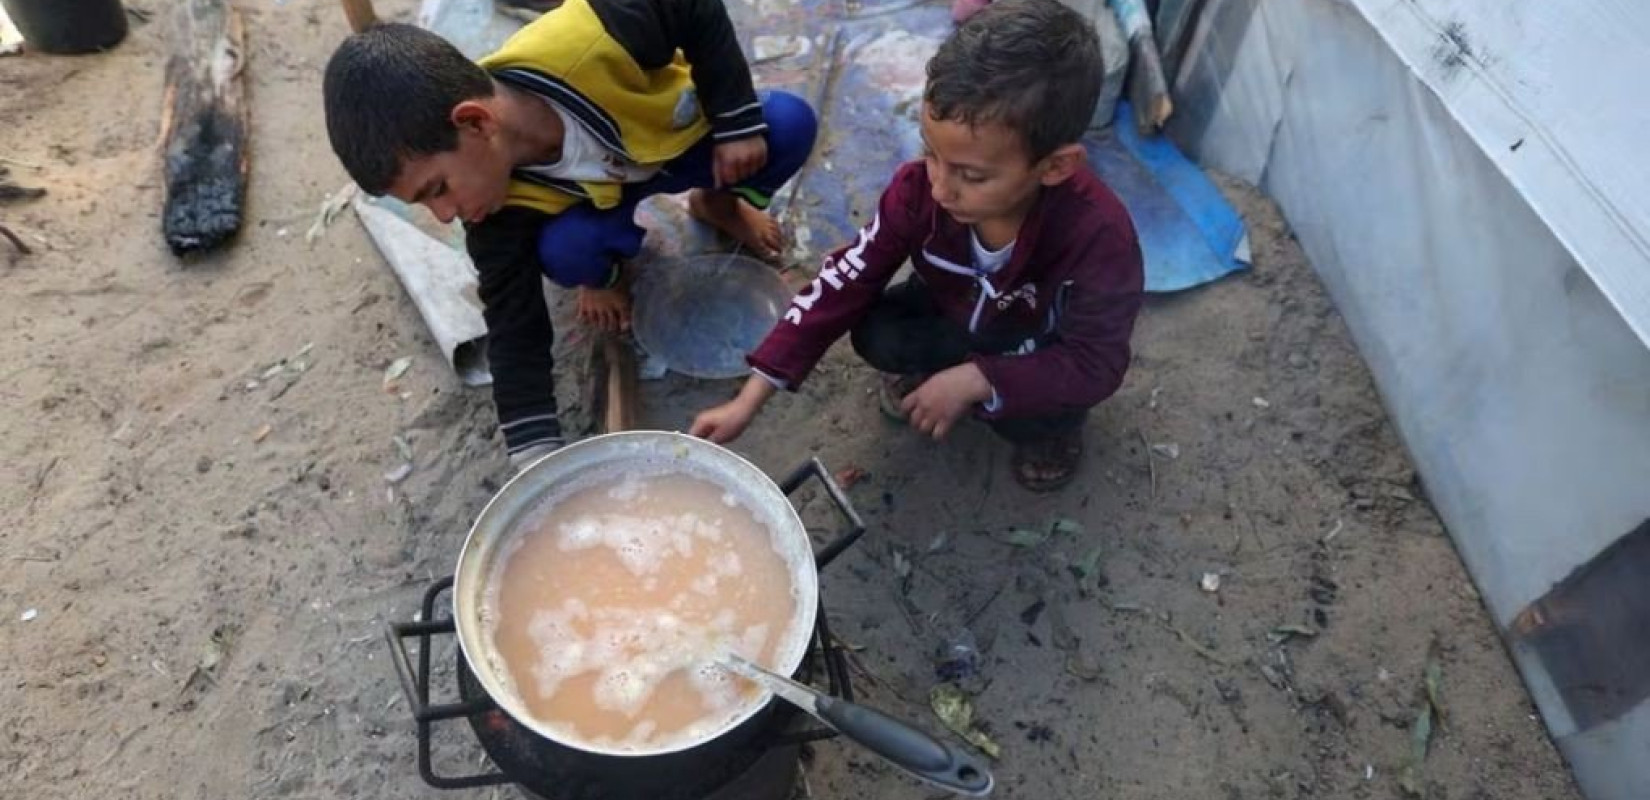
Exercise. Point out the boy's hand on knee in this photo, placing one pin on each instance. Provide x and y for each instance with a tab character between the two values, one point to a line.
737	160
940	401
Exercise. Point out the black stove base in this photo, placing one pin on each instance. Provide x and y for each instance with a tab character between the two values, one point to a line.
754	761
757	760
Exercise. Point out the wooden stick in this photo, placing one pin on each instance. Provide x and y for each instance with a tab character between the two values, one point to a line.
1148	88
360	14
6	234
204	127
620	400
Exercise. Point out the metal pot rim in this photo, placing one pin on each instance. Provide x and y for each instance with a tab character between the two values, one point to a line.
525	492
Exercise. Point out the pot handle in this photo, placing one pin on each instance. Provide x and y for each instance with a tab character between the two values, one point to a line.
812	468
910	748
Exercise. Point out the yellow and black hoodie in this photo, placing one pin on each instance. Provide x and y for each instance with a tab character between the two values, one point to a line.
649	79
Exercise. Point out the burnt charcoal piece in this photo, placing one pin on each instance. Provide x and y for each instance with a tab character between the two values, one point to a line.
204	128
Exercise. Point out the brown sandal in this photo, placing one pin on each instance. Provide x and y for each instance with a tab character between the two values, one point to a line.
891	392
1050	464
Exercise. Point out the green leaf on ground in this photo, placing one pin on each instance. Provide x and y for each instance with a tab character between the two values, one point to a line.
1021	537
952	705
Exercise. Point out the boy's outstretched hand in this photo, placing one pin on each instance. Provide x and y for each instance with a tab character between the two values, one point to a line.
725	422
943	399
737	160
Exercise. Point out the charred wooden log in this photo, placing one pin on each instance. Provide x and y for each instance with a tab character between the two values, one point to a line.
204	127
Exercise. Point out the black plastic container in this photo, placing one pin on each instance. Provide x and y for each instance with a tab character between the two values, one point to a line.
67	27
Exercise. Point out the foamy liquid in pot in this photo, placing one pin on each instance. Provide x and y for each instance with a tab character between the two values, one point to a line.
611	607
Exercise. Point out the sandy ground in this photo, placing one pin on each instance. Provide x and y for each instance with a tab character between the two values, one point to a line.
205	548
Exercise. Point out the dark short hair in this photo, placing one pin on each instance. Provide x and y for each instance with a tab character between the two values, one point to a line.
1032	66
390	92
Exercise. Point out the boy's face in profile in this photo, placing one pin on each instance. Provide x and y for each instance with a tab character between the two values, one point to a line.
467	183
982	173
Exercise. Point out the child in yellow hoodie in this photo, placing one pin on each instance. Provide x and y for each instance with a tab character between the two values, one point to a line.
544	149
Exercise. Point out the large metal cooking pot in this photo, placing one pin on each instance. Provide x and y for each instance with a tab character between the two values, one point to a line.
599	460
605	459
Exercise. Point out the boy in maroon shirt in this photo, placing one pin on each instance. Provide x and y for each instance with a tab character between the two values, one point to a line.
1026	270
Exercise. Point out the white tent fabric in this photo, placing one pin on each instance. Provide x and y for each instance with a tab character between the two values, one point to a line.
1553	95
1463	175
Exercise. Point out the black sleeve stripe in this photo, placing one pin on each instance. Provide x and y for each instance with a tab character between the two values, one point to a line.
550	417
740	133
520	334
517	438
756	106
555	440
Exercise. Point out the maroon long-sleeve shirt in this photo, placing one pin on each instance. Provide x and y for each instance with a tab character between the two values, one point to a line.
1075	273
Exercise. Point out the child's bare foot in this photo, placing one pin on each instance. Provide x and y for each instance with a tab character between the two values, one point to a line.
748	225
606	310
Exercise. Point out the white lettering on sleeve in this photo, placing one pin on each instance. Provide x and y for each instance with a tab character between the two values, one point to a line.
849	266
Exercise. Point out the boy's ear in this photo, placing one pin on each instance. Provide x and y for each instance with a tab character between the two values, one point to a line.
474	115
1064	162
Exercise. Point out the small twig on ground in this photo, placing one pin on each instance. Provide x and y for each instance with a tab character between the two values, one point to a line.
40	481
876	679
866	672
969	622
1188	639
832	52
15	242
119	746
45	472
20	162
901	603
1196	646
1151	466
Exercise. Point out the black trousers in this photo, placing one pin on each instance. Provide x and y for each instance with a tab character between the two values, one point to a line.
906	334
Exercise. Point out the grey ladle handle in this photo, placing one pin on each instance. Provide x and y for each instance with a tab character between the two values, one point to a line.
911	749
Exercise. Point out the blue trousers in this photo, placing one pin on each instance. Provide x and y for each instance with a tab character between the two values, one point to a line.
580	246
